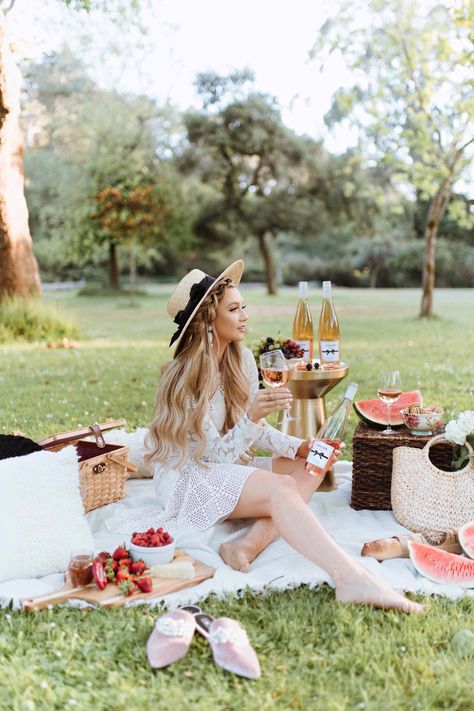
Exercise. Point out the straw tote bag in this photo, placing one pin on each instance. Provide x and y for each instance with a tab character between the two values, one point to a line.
427	498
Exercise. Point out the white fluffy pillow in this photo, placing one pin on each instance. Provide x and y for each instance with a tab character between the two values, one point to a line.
41	514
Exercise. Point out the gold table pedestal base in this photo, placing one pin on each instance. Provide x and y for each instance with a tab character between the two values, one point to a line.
309	388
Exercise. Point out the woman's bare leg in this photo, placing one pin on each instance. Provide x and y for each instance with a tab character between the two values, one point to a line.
269	495
240	554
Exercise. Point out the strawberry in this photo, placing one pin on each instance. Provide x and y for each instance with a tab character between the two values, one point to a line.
125	562
138	567
122	575
103	556
120	552
145	583
127	587
98	573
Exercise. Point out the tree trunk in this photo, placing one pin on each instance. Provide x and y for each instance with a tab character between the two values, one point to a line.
19	274
133	271
436	211
266	253
113	266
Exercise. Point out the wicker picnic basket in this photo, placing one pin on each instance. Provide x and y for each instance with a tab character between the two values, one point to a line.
373	463
103	467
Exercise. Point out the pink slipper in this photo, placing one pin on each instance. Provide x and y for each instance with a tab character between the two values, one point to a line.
230	645
171	638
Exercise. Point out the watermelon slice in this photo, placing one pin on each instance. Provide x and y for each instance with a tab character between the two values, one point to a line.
374	412
440	566
466	538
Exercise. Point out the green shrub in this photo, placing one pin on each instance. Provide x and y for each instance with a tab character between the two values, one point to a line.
31	320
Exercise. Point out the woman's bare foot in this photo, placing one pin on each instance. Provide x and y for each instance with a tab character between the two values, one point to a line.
238	555
361	587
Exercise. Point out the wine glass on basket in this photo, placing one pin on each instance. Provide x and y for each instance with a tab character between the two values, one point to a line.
275	373
389	390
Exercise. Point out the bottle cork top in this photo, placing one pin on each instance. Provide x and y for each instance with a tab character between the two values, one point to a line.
326	289
303	289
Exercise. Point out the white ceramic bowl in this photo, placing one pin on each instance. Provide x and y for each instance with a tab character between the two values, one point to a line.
158	555
422	424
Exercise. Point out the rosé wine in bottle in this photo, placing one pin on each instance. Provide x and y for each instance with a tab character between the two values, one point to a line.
303	331
330	435
328	331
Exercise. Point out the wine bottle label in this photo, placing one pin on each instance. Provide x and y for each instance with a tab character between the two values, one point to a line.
320	454
305	346
329	351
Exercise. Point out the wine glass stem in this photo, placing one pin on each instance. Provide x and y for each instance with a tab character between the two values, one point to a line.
389	415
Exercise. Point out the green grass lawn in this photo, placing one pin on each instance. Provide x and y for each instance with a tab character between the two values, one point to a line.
315	654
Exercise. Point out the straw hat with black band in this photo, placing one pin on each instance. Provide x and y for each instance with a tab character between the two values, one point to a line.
191	292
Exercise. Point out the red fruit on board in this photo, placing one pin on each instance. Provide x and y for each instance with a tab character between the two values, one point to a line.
103	556
120	552
138	567
125	562
145	584
99	575
122	575
127	587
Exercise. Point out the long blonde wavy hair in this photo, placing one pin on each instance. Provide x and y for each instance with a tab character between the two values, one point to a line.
187	383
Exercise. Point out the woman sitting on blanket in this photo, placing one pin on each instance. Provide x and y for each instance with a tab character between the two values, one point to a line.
208	412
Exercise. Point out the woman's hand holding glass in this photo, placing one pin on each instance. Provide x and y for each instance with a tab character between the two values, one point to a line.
267	401
275	372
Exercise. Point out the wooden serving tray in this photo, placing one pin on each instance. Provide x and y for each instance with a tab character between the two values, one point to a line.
111	597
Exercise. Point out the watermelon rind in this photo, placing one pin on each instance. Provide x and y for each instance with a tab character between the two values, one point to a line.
365	409
466	539
440	566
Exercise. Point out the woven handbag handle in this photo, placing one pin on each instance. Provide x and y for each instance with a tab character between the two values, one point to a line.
442	438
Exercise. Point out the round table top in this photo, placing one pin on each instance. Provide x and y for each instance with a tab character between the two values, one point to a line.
319	374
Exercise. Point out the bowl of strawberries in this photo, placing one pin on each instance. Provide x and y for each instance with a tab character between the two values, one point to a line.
154	546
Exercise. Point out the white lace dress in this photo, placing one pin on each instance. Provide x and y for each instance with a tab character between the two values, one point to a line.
198	496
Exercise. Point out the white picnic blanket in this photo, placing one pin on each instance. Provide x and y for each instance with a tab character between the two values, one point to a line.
279	566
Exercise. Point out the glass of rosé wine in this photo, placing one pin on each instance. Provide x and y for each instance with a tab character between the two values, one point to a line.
275	372
389	390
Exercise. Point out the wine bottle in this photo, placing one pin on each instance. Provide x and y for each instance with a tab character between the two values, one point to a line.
303	332
330	435
328	331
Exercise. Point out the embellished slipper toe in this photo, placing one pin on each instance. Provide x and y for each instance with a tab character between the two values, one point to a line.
230	645
170	638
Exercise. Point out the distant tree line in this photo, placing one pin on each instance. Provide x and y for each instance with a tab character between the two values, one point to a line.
116	183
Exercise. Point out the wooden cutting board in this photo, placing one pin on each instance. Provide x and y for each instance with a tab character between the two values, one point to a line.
111	597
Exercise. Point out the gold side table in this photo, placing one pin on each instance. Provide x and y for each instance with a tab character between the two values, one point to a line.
309	388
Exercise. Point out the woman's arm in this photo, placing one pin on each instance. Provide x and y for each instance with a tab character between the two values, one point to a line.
269	437
230	446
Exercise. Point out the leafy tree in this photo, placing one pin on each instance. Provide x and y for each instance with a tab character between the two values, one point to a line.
18	267
413	102
131	214
79	152
240	147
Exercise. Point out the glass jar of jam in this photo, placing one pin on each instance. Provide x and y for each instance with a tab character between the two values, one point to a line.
80	567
